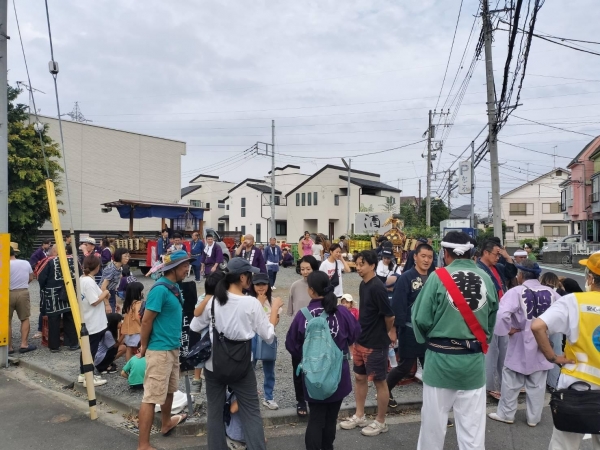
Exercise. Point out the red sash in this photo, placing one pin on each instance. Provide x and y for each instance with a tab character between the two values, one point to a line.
463	307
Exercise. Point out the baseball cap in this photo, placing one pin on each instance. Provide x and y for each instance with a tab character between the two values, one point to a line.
386	253
348	298
592	263
240	265
260	278
88	240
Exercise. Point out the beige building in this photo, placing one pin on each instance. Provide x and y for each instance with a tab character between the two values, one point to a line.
207	191
533	210
106	165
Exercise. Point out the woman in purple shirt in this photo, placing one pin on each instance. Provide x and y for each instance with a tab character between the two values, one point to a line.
344	328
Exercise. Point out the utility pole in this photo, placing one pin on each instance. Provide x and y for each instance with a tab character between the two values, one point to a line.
349	167
554	155
450	175
428	206
473	224
419	200
273	230
4	240
492	122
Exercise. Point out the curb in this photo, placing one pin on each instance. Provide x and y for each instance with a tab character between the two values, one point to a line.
196	426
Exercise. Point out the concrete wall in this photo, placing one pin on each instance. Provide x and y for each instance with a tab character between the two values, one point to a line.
106	165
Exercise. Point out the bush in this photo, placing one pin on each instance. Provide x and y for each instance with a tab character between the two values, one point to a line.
542	241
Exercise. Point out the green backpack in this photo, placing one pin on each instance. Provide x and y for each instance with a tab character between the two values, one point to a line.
321	358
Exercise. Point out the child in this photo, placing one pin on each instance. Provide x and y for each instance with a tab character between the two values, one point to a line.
233	425
348	302
134	371
132	325
210	283
108	346
126	279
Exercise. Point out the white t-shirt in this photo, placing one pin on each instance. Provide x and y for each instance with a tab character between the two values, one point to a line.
383	270
19	274
94	316
316	251
563	317
239	319
329	269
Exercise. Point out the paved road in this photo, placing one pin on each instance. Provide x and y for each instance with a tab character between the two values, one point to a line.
33	417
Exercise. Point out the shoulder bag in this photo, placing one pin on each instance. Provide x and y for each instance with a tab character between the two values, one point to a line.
576	411
230	358
264	351
335	279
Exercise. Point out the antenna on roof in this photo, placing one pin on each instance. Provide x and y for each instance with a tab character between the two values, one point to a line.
76	115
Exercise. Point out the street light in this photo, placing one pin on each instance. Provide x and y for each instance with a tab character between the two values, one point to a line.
38	126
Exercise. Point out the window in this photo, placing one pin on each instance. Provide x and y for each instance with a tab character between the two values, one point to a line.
258	237
303	199
551	208
207	206
277	200
556	230
315	196
226	207
221	205
196	203
336	200
309	199
563	200
520	209
510	229
297	199
525	228
243	229
281	228
243	207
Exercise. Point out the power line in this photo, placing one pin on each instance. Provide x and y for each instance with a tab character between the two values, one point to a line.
537	151
551	126
450	55
355	156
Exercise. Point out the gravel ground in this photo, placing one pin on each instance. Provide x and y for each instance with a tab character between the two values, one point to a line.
67	362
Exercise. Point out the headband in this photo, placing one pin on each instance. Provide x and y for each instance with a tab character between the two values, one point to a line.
458	249
535	269
520	253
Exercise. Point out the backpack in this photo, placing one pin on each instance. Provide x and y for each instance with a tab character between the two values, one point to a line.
321	358
174	290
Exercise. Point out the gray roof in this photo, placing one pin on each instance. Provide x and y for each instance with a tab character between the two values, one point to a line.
370	184
263	188
462	212
188	190
225	217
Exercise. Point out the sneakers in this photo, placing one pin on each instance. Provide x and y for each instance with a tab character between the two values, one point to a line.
531	424
196	386
450	423
496	417
234	445
374	428
271	404
274	288
392	403
354	422
110	369
419	374
97	381
81	378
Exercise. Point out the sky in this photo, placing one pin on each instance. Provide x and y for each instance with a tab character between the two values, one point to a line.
348	79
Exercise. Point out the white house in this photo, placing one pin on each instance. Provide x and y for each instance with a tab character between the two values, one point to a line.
105	165
319	203
207	191
249	204
533	210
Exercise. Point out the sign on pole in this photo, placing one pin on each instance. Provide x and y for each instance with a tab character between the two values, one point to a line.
464	177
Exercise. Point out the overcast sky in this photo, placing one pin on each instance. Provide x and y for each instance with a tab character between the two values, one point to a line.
339	78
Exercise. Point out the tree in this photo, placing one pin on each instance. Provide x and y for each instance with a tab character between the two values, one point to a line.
408	213
389	205
365	208
27	197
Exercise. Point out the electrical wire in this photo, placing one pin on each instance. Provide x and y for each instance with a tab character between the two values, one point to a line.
536	151
355	156
556	128
450	55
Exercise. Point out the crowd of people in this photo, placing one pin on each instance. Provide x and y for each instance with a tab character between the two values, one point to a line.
487	324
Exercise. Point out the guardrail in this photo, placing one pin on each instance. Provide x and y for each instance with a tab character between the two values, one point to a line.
577	248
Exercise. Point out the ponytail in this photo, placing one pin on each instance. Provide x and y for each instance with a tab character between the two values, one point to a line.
319	282
90	263
223	285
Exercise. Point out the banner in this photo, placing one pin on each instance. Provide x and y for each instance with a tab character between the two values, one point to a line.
4	287
371	223
464	177
188	337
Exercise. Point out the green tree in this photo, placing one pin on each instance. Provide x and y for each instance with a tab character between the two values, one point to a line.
365	208
389	205
27	198
408	213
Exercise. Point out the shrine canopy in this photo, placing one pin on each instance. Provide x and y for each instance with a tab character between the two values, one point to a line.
136	209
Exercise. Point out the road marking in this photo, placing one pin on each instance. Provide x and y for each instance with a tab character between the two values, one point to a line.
555	269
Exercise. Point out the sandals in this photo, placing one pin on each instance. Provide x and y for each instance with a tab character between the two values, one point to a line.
29	348
494	394
301	410
182	419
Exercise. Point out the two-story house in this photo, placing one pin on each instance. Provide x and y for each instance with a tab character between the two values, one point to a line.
319	204
207	191
533	209
594	198
576	196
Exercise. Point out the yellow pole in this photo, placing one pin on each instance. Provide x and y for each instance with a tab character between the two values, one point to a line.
84	338
4	294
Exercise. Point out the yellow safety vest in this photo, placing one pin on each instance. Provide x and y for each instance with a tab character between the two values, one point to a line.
586	349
